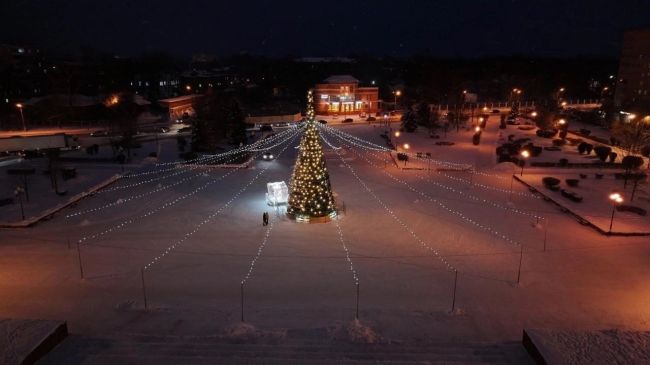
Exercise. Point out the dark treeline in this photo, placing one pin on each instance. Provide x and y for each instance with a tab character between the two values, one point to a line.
420	78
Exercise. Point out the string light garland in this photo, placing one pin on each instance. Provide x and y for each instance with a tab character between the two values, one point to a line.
377	147
347	136
417	238
161	207
204	159
124	200
310	192
451	189
205	221
355	277
185	168
444	206
258	254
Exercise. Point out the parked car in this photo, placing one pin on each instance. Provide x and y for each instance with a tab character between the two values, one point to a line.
102	133
266	128
495	111
268	156
322	121
347	120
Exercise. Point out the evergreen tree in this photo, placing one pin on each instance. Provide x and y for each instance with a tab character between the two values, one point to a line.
409	120
310	193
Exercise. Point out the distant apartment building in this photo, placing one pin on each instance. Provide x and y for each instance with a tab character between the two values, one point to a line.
633	84
341	94
155	87
23	73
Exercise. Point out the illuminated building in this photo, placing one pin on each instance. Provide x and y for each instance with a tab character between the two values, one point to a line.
633	84
341	94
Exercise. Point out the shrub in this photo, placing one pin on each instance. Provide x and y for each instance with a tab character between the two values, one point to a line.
402	157
550	133
476	139
612	157
585	148
564	162
572	182
602	152
632	209
631	176
571	196
582	147
550	181
632	162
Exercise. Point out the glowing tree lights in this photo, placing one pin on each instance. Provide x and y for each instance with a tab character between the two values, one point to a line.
310	193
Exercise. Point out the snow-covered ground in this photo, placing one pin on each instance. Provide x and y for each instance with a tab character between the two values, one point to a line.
302	278
596	206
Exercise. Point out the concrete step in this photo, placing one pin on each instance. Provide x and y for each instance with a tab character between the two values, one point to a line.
151	349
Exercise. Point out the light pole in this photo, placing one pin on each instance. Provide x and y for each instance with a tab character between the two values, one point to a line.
524	154
386	121
602	92
19	193
22	116
396	93
406	147
616	199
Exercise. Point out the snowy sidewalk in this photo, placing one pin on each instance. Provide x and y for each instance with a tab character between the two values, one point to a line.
588	347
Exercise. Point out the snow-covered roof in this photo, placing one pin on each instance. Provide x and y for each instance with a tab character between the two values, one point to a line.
341	79
180	98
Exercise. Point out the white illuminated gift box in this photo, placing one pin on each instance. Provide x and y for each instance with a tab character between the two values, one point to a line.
277	193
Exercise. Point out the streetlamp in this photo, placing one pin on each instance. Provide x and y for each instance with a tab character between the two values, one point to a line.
616	199
386	122
602	92
477	129
533	114
22	117
524	155
397	93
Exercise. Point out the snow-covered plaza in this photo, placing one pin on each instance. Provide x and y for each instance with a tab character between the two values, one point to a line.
191	240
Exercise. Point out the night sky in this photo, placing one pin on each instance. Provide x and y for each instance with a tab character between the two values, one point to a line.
327	27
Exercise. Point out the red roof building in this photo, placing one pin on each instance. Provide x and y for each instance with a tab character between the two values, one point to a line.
341	94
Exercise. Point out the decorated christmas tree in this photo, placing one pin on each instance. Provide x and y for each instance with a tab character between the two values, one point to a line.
310	193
